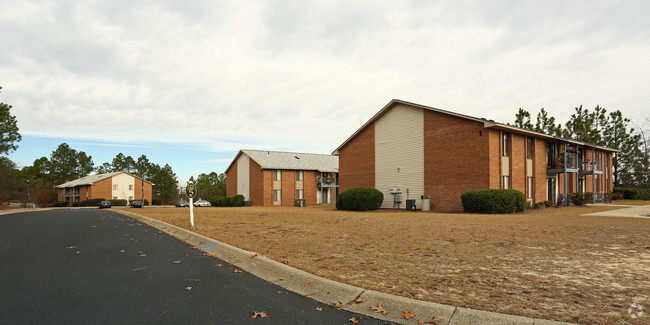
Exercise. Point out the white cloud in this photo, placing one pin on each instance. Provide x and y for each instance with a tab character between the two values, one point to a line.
303	76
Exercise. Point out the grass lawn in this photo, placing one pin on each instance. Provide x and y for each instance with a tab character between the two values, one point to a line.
549	263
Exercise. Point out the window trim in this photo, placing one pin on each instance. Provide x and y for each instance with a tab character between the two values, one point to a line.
115	188
530	185
300	194
300	175
277	194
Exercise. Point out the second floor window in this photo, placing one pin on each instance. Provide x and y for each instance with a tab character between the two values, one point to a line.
130	187
506	144
277	175
530	148
299	175
115	187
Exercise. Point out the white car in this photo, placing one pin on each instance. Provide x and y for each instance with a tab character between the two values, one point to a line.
202	203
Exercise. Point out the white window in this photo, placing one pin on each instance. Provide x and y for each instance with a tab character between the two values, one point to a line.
277	195
299	195
130	198
130	187
277	175
115	198
299	175
506	182
115	187
530	187
506	144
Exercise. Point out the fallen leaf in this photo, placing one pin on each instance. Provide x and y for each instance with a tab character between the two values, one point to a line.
359	300
433	321
408	314
337	304
69	247
413	276
354	320
188	288
177	262
143	255
379	309
546	281
318	309
261	314
256	254
391	282
286	261
495	282
78	252
122	251
237	271
219	265
306	284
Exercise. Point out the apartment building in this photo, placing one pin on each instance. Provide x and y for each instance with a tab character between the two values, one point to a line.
117	185
270	178
422	151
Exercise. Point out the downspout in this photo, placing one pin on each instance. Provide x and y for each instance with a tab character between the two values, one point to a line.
593	175
566	185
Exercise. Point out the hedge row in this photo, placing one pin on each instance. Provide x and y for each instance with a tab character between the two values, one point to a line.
360	199
224	201
493	201
629	193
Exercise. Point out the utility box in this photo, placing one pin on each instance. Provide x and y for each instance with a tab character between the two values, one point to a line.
426	204
410	205
397	198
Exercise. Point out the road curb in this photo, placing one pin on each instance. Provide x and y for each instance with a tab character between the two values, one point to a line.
344	296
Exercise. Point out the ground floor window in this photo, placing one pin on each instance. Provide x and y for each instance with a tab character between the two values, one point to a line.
277	195
530	187
506	182
550	186
299	195
115	198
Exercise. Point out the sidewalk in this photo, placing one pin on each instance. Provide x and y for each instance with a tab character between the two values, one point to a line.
346	297
631	211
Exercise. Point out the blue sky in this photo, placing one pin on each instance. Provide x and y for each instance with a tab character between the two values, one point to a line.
191	83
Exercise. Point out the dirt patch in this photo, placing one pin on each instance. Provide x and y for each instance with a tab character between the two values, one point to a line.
551	264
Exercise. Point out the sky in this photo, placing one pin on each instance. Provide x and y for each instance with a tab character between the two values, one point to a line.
189	83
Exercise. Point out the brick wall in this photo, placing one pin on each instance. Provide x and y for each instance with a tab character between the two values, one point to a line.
137	190
494	157
455	159
288	187
267	193
539	171
518	162
256	186
231	180
309	186
103	189
357	161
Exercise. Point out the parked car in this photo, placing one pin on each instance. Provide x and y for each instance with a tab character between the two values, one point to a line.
182	204
105	204
202	203
136	204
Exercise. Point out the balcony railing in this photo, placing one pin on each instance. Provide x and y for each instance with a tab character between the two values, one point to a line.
558	162
592	165
326	182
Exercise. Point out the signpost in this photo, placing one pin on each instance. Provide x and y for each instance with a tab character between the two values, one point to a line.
190	190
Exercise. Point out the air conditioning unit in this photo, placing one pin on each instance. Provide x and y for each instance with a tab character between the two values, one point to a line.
395	189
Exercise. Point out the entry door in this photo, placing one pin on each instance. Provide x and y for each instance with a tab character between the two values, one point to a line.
550	186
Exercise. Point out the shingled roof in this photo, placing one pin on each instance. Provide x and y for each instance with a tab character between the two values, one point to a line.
291	160
90	179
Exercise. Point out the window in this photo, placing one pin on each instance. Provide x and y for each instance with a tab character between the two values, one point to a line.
277	195
130	198
130	187
277	175
530	188
530	147
299	195
506	182
115	198
115	187
506	144
299	175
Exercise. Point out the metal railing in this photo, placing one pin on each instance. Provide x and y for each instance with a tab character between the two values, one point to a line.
592	165
558	162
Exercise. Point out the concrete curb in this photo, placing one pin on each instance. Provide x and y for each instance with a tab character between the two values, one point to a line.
346	297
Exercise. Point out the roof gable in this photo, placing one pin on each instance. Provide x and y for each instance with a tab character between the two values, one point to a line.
90	179
291	160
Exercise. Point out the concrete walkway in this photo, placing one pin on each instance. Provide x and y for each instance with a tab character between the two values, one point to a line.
629	211
344	296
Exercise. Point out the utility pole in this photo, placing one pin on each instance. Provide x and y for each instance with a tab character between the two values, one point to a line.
142	161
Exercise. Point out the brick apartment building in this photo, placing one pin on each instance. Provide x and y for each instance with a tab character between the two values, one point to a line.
279	178
425	151
118	185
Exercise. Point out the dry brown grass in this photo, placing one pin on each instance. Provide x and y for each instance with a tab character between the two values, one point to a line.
550	263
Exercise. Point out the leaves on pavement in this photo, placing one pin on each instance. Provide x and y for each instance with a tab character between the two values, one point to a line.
261	314
70	247
188	288
318	309
433	321
177	262
408	314
354	320
379	308
237	271
359	300
254	255
219	265
337	304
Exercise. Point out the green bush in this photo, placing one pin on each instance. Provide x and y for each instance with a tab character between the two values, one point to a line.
581	198
493	201
630	193
538	205
59	204
118	203
548	204
224	201
360	199
615	195
90	203
156	202
237	200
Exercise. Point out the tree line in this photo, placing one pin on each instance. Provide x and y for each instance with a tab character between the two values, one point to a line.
631	165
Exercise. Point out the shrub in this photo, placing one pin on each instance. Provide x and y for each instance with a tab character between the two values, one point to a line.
630	193
538	205
493	201
118	203
59	204
548	204
156	201
581	198
360	199
237	200
615	195
90	203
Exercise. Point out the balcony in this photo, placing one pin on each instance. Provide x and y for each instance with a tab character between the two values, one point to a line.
322	182
561	165
591	166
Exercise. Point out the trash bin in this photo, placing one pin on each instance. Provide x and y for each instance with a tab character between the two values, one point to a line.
426	204
410	205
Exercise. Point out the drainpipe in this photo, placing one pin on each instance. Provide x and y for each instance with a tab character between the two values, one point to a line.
593	175
566	185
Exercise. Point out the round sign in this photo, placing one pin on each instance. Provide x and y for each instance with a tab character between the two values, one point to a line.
190	190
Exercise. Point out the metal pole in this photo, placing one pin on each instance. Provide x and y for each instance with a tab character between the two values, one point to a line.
142	174
28	196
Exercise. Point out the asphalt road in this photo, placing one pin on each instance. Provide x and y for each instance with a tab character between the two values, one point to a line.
93	266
